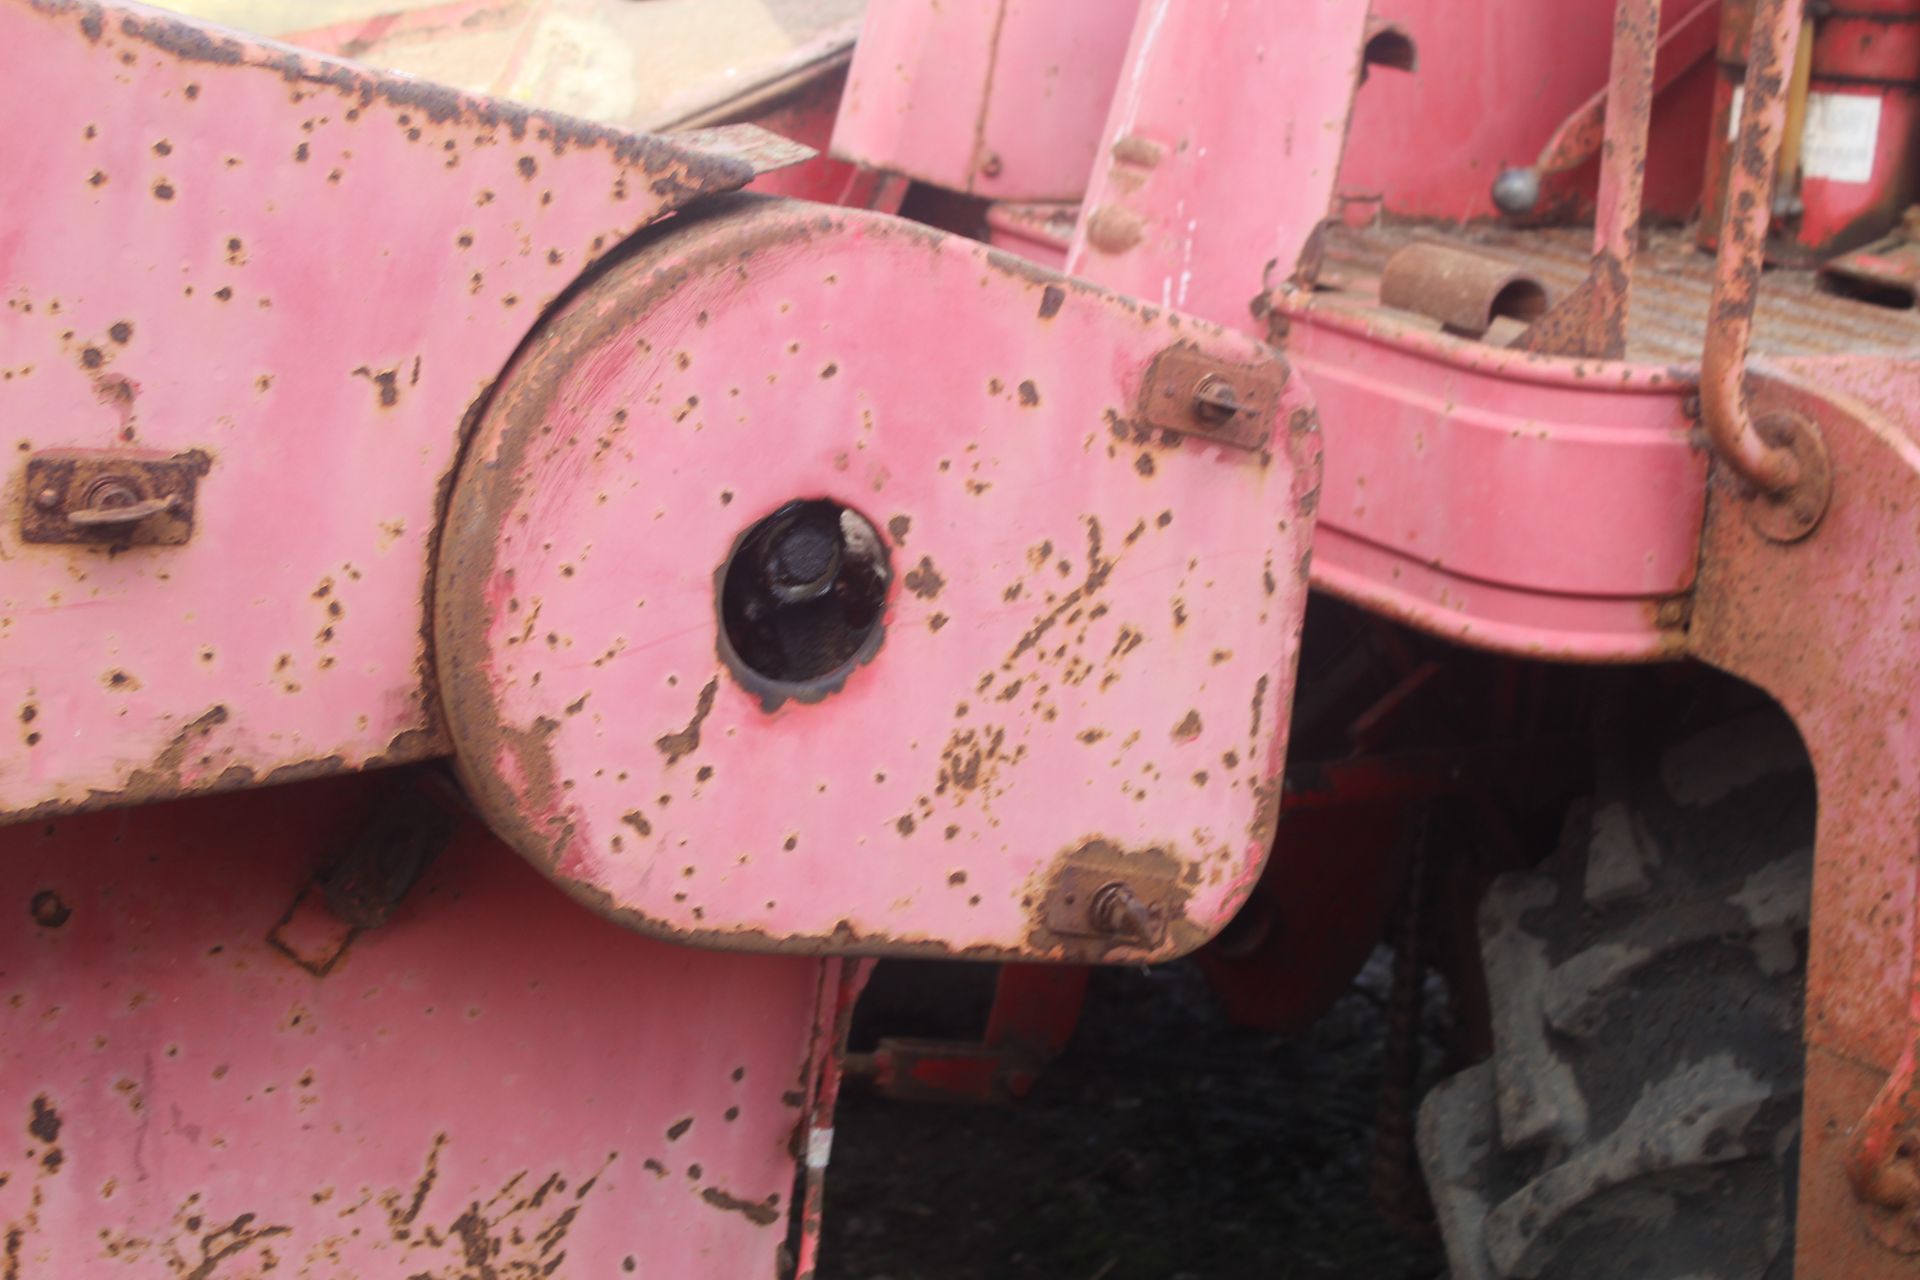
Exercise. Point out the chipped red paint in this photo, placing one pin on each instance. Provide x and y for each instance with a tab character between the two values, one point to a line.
307	274
1059	559
180	1098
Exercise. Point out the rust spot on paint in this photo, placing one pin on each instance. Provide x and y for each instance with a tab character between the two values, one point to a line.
386	383
760	1213
687	740
44	1124
1188	729
924	580
897	527
1051	299
1029	394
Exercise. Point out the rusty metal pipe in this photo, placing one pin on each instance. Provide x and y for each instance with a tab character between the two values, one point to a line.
1724	410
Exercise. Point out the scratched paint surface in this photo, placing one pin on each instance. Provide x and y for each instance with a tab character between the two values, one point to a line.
309	273
1090	631
492	1085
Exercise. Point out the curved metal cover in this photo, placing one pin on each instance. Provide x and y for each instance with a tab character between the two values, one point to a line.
1090	624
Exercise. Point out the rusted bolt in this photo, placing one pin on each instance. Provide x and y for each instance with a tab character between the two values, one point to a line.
46	499
991	167
804	556
1215	400
109	492
1116	910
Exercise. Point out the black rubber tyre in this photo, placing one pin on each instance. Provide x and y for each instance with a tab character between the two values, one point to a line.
1639	1117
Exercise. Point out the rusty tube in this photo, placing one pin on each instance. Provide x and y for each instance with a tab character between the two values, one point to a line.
1724	410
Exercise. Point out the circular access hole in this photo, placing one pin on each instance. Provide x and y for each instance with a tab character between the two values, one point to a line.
801	598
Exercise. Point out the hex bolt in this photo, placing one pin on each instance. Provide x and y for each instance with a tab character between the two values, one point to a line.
803	559
46	500
112	491
1215	400
1118	911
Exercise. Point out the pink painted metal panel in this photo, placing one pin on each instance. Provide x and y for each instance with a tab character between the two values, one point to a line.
1519	502
310	273
1000	99
1040	233
1201	193
490	1084
1826	624
1090	624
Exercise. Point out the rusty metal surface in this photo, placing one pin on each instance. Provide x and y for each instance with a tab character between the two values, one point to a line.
1825	625
306	274
1680	48
1189	392
492	1084
1088	624
1592	320
116	498
1461	289
1794	317
1725	412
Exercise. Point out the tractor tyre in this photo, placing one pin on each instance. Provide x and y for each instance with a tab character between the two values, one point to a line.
1639	1116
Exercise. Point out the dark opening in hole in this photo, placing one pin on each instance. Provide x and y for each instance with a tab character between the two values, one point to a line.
801	598
1522	300
1391	47
1895	295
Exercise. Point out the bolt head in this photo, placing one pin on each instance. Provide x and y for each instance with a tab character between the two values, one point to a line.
1214	399
46	500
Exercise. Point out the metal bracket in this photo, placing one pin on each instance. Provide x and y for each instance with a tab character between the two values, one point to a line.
1188	392
113	496
1093	902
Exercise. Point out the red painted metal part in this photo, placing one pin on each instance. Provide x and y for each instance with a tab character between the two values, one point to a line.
1592	320
1826	626
303	275
841	982
1008	746
1494	84
1863	120
1170	216
490	1083
1679	49
1001	99
1531	504
1035	1010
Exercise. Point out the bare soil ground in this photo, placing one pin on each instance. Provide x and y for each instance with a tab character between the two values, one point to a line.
1164	1145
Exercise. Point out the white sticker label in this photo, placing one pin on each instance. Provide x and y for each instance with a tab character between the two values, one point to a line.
819	1148
1841	133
